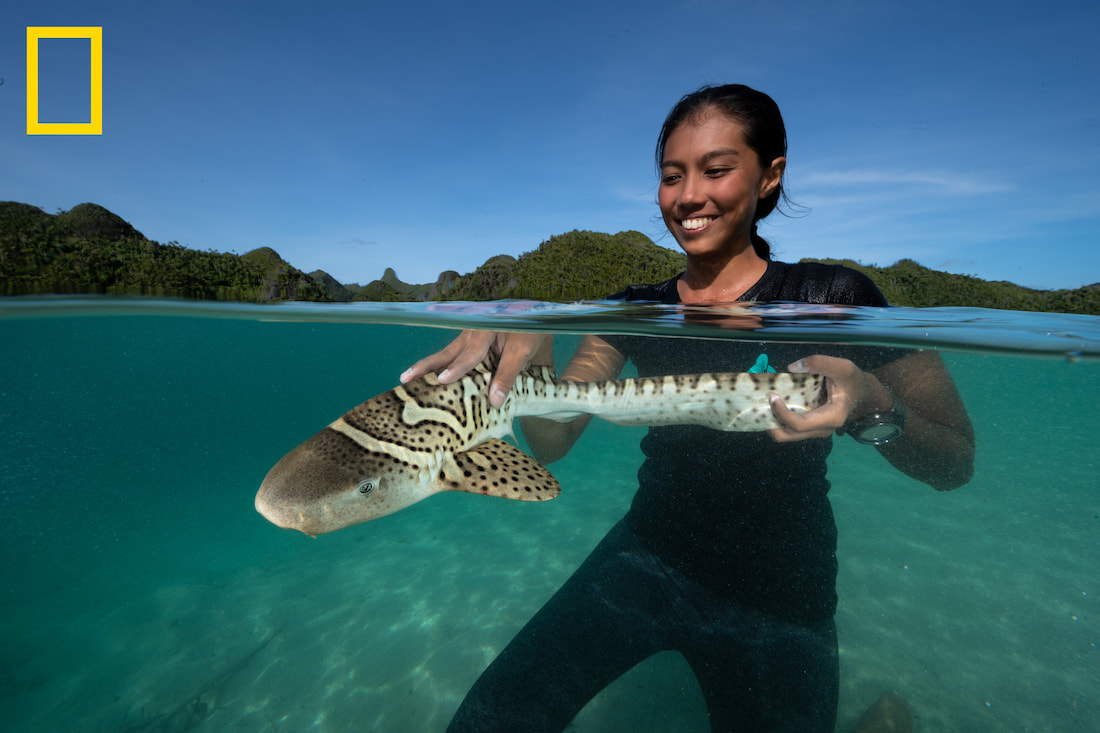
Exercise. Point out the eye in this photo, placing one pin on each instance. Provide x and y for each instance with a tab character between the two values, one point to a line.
367	486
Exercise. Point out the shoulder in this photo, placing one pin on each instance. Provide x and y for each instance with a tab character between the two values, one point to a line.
817	282
660	292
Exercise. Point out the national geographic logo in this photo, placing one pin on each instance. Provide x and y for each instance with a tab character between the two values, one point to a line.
94	126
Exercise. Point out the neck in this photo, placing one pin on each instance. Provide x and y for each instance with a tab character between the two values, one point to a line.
720	280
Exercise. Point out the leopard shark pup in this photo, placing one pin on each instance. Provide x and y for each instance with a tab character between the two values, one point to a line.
423	437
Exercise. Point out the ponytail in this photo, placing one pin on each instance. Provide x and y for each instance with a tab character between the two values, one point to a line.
760	245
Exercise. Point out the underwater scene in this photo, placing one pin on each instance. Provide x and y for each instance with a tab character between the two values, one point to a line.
142	591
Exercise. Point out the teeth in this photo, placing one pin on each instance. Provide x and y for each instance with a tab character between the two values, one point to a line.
699	223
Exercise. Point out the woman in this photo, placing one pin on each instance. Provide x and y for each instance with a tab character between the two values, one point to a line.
728	552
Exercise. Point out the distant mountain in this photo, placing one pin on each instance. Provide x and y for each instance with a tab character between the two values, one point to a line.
332	286
909	283
89	249
573	266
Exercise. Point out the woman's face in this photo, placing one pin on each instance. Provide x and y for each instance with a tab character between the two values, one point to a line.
711	183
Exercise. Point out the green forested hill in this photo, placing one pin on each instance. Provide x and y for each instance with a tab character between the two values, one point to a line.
589	265
910	284
90	250
574	266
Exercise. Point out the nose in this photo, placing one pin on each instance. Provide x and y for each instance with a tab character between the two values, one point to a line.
692	193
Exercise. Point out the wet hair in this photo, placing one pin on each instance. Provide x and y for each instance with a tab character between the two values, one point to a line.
765	133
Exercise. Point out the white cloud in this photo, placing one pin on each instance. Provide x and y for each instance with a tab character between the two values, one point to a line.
943	182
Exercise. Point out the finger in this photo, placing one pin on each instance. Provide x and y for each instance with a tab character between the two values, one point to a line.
424	366
784	435
793	426
793	422
829	366
474	346
516	349
450	359
848	386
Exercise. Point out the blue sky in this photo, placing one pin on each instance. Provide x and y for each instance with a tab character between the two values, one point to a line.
431	136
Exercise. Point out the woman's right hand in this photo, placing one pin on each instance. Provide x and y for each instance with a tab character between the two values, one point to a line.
516	352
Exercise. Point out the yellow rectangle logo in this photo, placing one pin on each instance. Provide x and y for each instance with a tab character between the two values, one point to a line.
95	124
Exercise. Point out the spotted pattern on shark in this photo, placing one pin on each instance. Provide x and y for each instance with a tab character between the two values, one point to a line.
424	437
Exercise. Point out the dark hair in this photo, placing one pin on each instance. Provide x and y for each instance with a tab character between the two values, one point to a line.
765	133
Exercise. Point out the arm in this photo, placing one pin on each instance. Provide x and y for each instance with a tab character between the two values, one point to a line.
595	360
937	446
549	440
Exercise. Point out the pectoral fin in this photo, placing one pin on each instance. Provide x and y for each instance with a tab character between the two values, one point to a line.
496	468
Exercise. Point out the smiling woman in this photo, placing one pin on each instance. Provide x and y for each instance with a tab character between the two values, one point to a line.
716	185
728	552
762	134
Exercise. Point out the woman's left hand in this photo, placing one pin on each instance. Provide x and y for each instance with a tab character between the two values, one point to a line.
851	391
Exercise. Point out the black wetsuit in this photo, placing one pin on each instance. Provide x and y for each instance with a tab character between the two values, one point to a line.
727	555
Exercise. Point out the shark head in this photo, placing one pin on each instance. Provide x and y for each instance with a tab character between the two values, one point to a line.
330	482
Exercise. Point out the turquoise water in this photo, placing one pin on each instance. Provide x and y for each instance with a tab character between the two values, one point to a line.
142	592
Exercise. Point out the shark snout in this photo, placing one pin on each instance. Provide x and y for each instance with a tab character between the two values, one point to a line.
287	497
309	491
279	513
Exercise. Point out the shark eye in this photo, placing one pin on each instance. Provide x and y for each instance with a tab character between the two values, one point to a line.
366	487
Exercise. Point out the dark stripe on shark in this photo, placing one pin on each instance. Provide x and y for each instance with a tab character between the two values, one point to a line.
426	431
337	447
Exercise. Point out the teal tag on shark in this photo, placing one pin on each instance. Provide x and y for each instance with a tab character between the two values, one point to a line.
761	365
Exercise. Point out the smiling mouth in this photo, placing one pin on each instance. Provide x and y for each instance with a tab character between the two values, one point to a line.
697	223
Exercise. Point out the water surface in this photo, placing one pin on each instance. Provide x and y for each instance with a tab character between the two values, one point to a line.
142	592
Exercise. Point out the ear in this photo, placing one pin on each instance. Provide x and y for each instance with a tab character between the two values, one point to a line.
771	178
